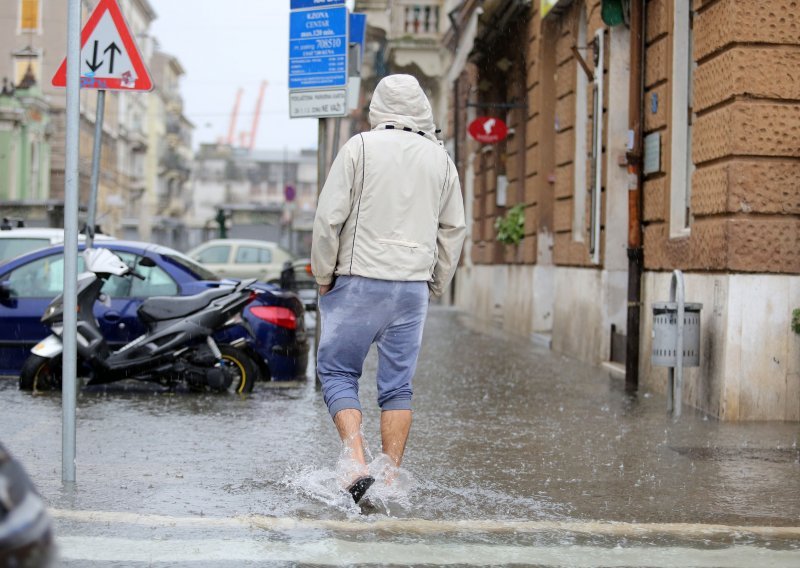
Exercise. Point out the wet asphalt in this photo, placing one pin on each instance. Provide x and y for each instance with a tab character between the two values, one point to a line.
517	456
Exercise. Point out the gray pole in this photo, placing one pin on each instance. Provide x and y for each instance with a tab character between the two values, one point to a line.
73	109
91	215
322	172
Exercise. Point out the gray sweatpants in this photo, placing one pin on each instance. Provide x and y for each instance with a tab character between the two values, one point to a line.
356	313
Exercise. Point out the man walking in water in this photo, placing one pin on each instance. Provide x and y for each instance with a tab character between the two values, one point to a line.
387	235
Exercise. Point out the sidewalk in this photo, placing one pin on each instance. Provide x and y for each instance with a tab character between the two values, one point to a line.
513	448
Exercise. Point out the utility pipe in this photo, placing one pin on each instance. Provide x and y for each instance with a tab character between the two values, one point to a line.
635	180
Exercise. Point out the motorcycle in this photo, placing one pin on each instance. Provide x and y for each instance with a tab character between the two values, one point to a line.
178	346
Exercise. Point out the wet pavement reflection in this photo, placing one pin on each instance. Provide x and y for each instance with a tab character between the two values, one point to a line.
512	446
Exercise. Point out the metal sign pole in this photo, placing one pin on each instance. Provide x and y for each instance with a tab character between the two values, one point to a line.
69	338
98	147
322	172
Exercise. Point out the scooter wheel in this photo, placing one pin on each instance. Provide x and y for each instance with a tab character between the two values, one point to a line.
242	367
40	374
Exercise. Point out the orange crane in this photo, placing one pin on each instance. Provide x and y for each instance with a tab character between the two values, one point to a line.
257	115
234	115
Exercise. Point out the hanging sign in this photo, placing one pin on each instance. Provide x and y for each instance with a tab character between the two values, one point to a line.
488	130
110	59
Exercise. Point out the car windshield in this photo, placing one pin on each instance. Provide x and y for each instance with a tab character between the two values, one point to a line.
187	263
9	248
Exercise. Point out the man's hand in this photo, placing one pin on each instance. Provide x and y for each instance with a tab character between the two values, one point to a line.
324	289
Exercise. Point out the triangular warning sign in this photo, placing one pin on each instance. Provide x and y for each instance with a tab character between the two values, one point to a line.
110	59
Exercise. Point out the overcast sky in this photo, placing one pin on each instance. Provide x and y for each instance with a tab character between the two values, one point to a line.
227	44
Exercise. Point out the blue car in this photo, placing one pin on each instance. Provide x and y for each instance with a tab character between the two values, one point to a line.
277	339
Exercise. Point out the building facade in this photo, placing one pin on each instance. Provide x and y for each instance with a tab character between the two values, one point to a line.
160	213
135	170
644	137
265	194
24	149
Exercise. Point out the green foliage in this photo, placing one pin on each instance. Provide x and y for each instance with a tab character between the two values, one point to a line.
796	320
511	228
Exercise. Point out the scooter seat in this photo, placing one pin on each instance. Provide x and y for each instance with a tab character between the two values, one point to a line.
160	308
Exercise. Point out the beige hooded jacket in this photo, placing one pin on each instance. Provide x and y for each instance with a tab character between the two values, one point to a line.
391	208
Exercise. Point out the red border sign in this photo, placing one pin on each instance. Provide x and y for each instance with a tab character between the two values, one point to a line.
142	82
488	129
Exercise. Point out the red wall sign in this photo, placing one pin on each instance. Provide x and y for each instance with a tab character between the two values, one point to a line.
488	130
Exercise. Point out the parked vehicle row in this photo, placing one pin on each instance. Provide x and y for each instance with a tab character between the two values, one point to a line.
177	347
272	332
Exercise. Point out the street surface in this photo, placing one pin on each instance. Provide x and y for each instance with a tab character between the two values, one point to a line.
517	456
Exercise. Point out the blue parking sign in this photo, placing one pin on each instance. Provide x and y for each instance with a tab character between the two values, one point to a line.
318	41
305	4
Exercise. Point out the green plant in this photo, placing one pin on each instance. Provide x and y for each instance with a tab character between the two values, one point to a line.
796	320
511	228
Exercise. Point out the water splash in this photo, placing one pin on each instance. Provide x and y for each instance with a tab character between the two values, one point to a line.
390	494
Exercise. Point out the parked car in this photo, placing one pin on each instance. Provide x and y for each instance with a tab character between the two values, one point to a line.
28	283
297	277
26	533
14	242
242	258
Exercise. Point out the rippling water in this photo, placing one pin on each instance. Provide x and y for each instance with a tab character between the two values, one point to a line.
503	433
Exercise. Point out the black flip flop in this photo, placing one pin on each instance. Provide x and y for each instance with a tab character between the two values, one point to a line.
360	486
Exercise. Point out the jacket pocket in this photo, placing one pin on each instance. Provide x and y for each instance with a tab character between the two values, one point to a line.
407	244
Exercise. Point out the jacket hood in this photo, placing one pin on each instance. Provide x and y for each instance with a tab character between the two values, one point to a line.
399	100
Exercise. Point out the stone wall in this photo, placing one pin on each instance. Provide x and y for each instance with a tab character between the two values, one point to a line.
745	198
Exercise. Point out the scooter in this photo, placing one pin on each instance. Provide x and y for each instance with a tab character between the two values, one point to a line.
177	347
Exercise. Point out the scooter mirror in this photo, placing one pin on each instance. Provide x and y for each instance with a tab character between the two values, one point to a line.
103	261
5	290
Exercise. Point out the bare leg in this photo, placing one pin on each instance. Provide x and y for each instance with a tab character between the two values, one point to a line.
395	425
348	423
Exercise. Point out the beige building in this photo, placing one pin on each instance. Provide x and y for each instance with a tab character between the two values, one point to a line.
162	212
644	137
33	33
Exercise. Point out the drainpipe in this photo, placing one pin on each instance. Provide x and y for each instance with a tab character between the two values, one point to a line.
635	180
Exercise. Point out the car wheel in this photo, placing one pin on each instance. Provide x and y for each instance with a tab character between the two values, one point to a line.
241	367
40	374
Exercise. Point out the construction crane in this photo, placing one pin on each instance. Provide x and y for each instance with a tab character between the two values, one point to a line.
257	115
234	115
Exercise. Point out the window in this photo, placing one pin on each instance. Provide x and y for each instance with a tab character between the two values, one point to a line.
44	278
156	282
581	135
24	63
253	255
214	255
9	248
597	147
190	266
29	15
681	165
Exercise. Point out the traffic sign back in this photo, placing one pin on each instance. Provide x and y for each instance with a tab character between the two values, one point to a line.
110	59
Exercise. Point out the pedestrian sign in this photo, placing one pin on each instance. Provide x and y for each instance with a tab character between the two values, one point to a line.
110	59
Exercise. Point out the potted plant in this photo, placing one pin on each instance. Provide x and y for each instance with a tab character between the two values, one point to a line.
510	230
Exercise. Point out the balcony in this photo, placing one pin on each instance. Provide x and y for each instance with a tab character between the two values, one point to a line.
415	38
416	21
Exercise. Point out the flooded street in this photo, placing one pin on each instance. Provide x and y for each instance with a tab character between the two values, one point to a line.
516	456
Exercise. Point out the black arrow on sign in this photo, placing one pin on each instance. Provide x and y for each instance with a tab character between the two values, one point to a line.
113	47
94	65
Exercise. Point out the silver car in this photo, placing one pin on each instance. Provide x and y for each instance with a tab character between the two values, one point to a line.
242	258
